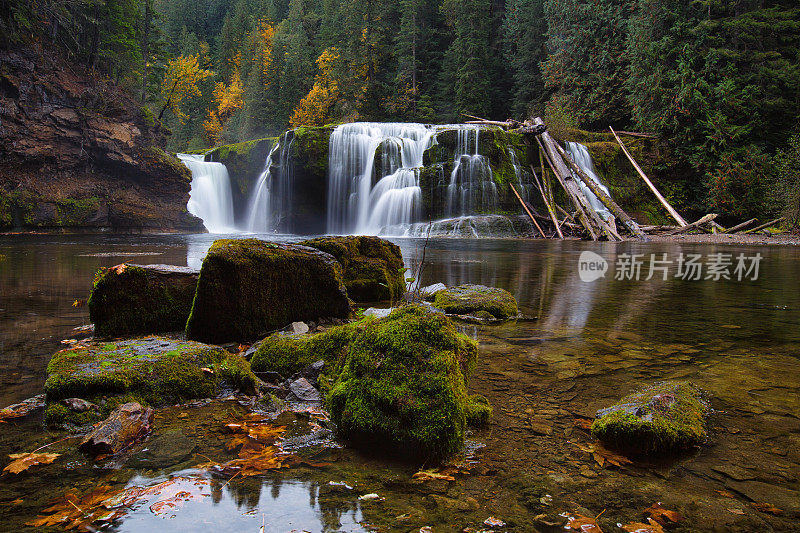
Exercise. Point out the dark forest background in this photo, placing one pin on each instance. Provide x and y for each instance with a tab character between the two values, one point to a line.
717	80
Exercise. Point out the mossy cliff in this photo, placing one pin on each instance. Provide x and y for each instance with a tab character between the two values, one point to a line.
395	385
248	287
152	370
665	417
129	299
245	163
372	267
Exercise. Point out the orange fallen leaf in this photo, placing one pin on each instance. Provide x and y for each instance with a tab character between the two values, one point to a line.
23	461
428	475
637	527
725	494
658	513
767	508
603	455
736	511
584	524
118	269
583	423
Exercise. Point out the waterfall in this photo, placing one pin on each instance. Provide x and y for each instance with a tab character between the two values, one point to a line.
472	187
364	197
524	189
270	204
210	197
580	154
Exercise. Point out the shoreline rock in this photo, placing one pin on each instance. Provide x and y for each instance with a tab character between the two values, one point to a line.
477	300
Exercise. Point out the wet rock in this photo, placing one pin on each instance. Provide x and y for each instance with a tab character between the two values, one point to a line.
248	287
298	328
451	504
304	391
290	355
372	267
126	425
785	499
470	299
269	377
430	291
155	370
78	405
167	449
665	417
734	472
134	299
378	312
23	408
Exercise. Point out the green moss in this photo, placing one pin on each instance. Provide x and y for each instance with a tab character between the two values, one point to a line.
236	371
309	149
402	385
76	212
6	214
140	300
248	287
155	369
58	414
155	157
372	267
665	417
479	410
467	299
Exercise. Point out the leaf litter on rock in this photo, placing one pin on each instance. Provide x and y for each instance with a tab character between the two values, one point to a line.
585	524
603	455
638	527
661	515
23	461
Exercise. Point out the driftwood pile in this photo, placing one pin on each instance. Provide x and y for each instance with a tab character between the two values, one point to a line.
580	219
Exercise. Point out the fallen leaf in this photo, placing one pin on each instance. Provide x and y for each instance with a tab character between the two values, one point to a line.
17	501
118	269
583	423
603	455
767	508
582	523
725	494
736	511
23	461
637	527
658	513
428	475
494	522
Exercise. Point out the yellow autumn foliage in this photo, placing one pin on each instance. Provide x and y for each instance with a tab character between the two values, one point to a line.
313	109
181	79
227	100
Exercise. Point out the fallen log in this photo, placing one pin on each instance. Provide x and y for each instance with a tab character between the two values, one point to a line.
525	207
550	209
683	229
607	201
743	225
764	226
638	134
678	218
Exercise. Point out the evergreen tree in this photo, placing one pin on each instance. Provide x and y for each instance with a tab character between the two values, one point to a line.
524	50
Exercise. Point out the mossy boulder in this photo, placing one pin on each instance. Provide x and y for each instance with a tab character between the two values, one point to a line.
152	370
663	418
134	299
248	287
402	387
479	410
471	299
372	267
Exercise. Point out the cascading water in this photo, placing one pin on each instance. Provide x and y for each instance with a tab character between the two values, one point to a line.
472	185
271	202
210	197
363	198
524	189
580	154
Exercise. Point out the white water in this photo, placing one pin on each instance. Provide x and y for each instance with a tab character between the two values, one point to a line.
364	196
472	187
270	204
580	154
210	197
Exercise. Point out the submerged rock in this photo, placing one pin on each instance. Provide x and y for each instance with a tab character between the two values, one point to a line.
665	417
248	287
126	425
151	370
429	291
372	267
133	299
472	299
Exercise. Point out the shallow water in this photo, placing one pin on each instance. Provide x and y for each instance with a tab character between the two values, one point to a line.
580	347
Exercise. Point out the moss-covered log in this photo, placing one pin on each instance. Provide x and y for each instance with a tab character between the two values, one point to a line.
248	287
372	267
665	417
133	299
152	370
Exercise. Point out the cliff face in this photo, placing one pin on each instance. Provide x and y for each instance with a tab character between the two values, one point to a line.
77	152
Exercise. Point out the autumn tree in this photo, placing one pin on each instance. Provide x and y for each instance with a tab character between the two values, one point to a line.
181	78
314	109
227	100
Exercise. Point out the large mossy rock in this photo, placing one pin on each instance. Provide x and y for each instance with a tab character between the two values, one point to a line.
134	299
477	299
402	388
663	418
372	267
151	370
248	287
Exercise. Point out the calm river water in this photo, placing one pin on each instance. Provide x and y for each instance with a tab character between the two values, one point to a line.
580	346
